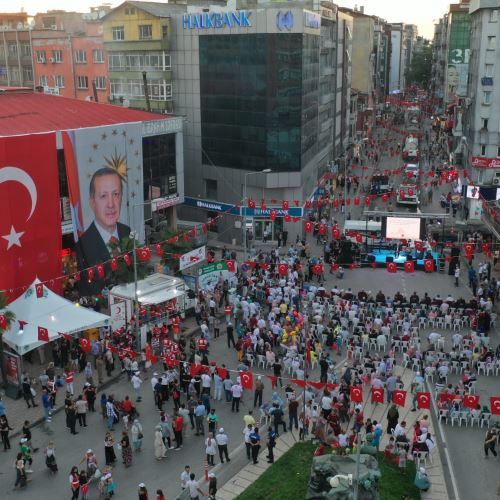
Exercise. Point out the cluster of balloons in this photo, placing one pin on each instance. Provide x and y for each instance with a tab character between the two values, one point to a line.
293	326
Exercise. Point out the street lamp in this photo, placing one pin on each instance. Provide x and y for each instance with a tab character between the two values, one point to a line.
245	204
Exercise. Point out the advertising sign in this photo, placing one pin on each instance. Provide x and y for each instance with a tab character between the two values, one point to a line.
214	206
481	162
104	169
118	312
215	20
12	367
458	55
193	257
209	276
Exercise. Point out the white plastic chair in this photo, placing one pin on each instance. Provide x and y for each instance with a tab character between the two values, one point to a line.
444	414
486	419
261	360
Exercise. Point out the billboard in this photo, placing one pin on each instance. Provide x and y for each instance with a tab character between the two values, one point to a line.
30	222
402	228
104	169
458	55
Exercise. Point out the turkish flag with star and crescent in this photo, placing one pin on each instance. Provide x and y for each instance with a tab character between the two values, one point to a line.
377	395
246	380
399	397
471	401
30	226
424	400
495	405
356	394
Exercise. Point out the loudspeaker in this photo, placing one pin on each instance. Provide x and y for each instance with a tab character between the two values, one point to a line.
345	252
389	258
370	258
409	257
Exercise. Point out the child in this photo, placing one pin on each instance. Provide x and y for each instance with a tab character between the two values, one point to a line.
160	495
389	450
402	459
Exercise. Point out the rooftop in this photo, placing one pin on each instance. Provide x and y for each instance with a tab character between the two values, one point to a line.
30	112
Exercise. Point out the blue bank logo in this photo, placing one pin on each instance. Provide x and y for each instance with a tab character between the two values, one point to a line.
284	20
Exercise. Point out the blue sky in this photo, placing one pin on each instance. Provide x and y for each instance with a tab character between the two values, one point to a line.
423	13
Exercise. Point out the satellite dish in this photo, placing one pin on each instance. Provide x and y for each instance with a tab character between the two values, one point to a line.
126	103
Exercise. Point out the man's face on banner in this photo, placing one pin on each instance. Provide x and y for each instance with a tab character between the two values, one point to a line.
107	200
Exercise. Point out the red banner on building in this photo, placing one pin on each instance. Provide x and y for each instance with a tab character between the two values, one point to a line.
481	162
30	225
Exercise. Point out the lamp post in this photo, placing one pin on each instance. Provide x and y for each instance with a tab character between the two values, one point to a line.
245	204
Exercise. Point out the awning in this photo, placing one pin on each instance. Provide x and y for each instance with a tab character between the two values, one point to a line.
161	296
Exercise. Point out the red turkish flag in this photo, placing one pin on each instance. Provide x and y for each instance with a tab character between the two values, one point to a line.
222	373
43	334
285	205
251	203
274	380
246	380
409	266
317	385
273	214
30	225
194	369
127	259
424	400
322	229
399	397
357	201
3	322
444	397
288	218
331	387
90	274
359	238
335	233
231	266
264	265
418	246
356	394
318	269
385	198
308	226
85	345
39	290
391	267
144	254
495	405
377	395
100	270
429	265
114	264
159	249
469	248
368	200
471	401
486	247
299	382
283	269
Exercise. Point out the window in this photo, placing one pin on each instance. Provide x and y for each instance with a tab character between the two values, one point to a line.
498	151
41	57
82	82
488	70
57	56
100	82
26	49
483	149
98	56
59	79
80	56
130	11
492	43
12	46
159	90
211	189
27	74
145	31
118	33
137	61
164	31
487	97
493	15
485	123
15	75
44	81
49	23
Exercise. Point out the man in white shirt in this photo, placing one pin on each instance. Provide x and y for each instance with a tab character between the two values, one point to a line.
236	391
136	384
194	488
206	381
222	440
185	476
248	444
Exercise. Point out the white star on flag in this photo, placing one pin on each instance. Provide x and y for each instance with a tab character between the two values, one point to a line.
14	238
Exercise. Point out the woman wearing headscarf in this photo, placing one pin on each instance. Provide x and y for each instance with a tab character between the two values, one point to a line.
137	436
392	418
126	449
276	399
109	451
160	448
422	481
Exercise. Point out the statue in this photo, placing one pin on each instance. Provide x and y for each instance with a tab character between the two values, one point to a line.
333	477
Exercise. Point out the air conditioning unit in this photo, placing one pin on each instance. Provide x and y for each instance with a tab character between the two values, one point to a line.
496	181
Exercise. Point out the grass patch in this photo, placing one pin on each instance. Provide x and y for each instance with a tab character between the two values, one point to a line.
288	478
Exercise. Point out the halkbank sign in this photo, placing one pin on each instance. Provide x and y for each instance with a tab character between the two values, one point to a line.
211	20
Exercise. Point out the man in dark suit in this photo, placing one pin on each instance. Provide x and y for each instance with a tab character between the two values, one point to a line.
105	232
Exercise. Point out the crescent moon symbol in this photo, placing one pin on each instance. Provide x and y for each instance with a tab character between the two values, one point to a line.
17	175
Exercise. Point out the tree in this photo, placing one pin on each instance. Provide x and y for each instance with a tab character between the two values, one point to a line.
124	273
6	319
420	67
172	246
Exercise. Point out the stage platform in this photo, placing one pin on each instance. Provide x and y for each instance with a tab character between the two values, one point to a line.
381	257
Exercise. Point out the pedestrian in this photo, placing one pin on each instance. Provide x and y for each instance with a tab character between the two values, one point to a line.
457	274
159	445
90	462
178	426
90	395
81	411
212	486
47	406
69	378
392	418
88	373
74	482
271	443
259	390
136	382
100	366
199	415
236	392
160	495
21	478
50	457
4	431
490	441
137	435
248	444
222	441
255	443
218	385
228	383
293	408
212	419
84	484
111	415
126	449
193	487
185	476
142	492
28	392
210	448
71	417
166	428
109	449
230	335
422	481
277	414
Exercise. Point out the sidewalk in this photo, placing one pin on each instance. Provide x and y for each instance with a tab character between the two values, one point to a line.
17	411
438	491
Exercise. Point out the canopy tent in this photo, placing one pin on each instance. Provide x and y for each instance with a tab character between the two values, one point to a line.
50	311
154	289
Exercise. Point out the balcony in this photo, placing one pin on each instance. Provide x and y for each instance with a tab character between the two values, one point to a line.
487	81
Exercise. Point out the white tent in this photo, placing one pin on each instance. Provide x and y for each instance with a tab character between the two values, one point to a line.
52	312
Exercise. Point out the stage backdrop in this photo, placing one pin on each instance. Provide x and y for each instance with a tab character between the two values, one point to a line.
30	221
118	197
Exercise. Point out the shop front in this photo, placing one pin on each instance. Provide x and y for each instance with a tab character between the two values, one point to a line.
267	224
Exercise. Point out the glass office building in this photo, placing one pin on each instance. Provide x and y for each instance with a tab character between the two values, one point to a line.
259	100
